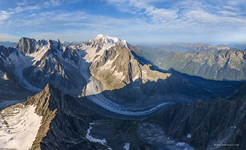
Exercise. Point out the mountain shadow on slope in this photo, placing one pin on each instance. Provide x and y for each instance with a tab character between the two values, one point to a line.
179	87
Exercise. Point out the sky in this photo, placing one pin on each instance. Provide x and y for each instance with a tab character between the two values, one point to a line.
137	21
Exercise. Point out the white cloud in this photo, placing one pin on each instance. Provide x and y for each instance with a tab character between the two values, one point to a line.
4	15
139	6
162	14
26	8
52	3
156	14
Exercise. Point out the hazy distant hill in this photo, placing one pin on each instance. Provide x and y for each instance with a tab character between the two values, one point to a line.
8	44
239	46
210	62
181	47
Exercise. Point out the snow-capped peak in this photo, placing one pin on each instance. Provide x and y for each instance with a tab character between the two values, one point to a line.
107	38
104	39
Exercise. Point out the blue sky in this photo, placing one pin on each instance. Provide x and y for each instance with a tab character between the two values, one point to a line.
137	21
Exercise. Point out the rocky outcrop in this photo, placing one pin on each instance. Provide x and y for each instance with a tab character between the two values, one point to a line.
27	46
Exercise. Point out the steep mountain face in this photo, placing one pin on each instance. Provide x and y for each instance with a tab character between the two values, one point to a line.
206	124
28	46
219	65
36	63
117	67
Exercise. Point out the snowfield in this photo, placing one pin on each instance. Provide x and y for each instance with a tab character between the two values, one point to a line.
19	129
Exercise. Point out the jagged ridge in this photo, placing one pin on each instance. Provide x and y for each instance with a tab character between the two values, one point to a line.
64	123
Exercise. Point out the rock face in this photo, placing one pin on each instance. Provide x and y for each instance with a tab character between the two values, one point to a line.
206	124
117	67
28	46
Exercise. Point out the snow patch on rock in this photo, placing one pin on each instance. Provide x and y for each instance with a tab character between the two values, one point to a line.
92	139
119	75
39	54
4	76
184	146
127	146
107	65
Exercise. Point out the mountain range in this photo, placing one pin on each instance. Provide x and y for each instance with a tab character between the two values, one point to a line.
209	62
107	94
8	44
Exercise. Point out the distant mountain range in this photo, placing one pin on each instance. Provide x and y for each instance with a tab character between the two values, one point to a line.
13	44
182	47
8	44
107	94
210	62
238	46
